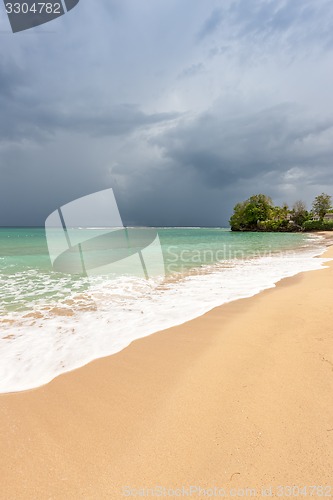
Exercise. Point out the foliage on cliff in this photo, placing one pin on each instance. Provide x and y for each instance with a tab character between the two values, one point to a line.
258	213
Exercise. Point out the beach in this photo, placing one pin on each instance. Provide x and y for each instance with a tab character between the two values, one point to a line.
238	398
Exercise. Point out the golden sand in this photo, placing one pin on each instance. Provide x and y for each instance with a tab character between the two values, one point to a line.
241	397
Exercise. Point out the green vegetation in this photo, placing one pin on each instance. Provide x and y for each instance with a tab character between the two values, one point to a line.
248	213
318	225
321	205
299	213
258	213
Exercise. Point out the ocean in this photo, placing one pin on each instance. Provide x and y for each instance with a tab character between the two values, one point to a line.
52	322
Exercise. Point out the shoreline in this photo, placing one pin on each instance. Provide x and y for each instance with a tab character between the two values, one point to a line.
259	275
238	397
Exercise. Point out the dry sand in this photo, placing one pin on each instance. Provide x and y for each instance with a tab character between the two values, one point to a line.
241	397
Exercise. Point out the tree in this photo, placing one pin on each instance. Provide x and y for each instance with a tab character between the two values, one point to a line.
248	213
285	208
238	219
321	205
299	213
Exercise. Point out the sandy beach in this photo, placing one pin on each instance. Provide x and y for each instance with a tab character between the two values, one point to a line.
241	397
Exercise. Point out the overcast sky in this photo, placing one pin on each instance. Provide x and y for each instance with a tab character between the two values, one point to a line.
183	107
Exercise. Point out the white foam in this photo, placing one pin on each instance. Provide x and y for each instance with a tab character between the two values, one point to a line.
35	350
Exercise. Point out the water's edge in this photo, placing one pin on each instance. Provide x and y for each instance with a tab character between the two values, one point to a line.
22	373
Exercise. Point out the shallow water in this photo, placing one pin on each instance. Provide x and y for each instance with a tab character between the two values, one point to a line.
53	322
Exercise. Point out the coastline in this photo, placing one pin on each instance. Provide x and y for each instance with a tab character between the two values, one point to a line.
238	397
51	339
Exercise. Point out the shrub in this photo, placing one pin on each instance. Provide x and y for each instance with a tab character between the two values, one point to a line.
317	225
249	212
276	225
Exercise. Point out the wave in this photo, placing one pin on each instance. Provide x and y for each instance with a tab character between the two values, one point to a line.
90	322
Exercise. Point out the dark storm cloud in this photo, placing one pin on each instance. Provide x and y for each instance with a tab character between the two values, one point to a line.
30	117
211	162
184	108
38	122
120	119
221	152
31	114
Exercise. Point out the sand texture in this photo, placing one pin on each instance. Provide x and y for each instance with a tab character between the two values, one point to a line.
240	397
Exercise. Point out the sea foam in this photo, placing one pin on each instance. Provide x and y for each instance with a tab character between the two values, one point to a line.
104	318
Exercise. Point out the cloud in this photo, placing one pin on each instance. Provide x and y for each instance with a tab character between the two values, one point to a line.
193	70
258	28
184	108
41	122
222	152
30	115
210	25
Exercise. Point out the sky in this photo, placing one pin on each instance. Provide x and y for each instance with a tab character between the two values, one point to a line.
183	107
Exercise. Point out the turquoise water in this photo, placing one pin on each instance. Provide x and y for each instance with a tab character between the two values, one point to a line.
26	273
25	261
52	322
202	246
